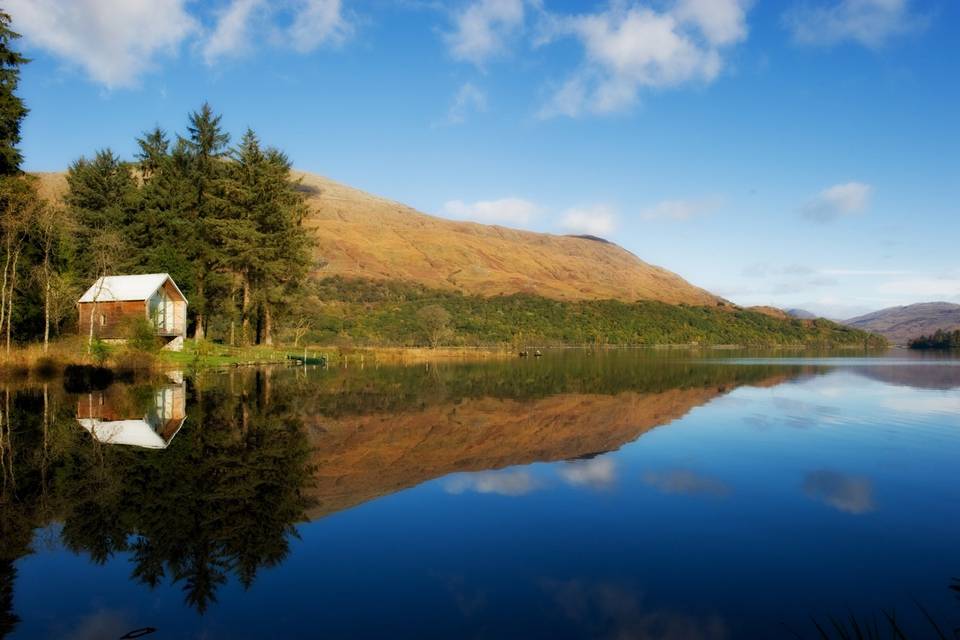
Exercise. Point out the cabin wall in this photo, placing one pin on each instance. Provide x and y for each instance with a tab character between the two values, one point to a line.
110	319
172	321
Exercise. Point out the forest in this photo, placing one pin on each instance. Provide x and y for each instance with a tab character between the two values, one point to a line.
940	339
358	313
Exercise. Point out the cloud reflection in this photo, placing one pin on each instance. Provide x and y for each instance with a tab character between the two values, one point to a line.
598	473
684	481
606	610
850	494
504	483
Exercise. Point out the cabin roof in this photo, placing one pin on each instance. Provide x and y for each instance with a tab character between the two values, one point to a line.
124	288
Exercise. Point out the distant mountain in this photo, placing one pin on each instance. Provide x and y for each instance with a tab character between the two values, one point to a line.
801	314
899	325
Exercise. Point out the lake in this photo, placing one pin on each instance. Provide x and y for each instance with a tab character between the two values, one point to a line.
621	494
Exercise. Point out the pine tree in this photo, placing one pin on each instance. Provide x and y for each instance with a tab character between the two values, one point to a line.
12	109
103	198
162	225
260	233
206	146
154	149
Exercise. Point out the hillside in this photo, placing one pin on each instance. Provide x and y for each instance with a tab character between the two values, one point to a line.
901	324
364	236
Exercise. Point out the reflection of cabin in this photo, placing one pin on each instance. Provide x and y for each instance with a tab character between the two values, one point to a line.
105	416
114	301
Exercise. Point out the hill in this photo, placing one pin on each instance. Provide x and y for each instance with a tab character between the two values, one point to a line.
901	324
801	314
364	236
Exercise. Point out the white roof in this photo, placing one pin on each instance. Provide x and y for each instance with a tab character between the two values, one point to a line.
121	288
134	433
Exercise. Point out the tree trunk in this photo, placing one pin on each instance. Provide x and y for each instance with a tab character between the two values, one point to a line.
46	315
245	313
267	326
46	296
3	287
198	332
13	284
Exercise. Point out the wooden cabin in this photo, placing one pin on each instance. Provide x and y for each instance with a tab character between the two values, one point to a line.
113	301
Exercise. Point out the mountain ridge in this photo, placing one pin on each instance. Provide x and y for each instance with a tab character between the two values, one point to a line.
904	323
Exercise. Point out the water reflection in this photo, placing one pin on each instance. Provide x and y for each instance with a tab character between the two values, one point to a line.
214	476
844	492
221	500
611	610
686	482
152	423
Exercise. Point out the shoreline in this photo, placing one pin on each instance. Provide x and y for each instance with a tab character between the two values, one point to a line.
30	361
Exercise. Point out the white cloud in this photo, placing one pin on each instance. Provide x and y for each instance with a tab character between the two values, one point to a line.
865	272
721	22
838	200
504	483
629	47
484	28
468	99
868	22
678	209
231	36
921	288
598	473
506	210
318	22
596	220
115	43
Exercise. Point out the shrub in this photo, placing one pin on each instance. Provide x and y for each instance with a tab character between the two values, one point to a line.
142	337
99	351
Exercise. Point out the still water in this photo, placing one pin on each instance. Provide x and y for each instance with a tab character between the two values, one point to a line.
612	495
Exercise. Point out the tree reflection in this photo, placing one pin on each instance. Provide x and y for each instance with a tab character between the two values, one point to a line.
223	502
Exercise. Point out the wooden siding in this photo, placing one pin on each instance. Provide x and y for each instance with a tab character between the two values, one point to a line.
110	319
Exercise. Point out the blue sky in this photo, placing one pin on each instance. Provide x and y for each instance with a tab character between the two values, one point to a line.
791	152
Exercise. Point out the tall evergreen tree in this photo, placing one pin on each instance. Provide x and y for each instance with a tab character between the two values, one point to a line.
206	146
260	232
12	109
103	199
163	224
154	148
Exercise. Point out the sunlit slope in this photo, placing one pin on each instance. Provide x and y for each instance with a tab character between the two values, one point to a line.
360	235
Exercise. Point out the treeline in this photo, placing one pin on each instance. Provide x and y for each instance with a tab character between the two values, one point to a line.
366	312
940	339
224	221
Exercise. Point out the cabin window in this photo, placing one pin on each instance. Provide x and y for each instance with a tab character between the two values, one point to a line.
103	319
